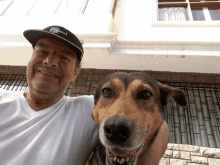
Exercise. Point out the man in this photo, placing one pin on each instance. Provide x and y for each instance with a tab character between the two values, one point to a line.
41	126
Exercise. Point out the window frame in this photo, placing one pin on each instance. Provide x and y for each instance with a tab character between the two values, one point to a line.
190	22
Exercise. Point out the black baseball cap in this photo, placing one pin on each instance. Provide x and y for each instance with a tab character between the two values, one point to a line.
56	32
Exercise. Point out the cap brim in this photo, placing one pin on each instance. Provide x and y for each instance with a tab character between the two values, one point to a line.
34	35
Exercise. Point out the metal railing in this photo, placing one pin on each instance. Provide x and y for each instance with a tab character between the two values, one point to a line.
198	123
19	83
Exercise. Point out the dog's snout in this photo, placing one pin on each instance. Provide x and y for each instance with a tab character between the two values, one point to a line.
118	129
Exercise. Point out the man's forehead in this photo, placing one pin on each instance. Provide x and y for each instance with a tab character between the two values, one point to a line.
52	43
49	42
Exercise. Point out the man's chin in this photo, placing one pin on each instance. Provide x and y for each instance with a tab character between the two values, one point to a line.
46	89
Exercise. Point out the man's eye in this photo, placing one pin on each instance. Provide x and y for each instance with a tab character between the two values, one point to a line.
144	95
107	92
65	58
44	52
39	51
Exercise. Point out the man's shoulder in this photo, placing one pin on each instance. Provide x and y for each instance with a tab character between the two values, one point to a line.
82	98
7	96
7	93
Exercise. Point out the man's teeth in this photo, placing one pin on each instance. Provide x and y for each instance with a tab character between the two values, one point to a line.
48	73
121	160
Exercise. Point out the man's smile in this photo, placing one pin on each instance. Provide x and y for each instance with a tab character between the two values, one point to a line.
48	73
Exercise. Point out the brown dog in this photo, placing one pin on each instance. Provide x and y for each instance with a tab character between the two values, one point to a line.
128	110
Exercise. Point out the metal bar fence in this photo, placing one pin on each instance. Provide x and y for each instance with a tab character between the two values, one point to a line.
198	123
19	83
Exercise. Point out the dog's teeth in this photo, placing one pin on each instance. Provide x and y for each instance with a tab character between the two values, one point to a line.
132	153
122	161
127	159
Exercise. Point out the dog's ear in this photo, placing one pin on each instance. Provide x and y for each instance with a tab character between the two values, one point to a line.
166	92
97	94
95	114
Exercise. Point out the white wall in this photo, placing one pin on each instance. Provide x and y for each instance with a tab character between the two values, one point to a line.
14	48
136	20
15	55
138	43
79	24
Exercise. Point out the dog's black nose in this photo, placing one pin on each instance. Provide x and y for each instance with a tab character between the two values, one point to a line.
118	129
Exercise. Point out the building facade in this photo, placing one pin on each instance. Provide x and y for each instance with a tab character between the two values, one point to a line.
175	42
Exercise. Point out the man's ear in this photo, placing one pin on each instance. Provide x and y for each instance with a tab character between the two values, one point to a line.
75	74
166	92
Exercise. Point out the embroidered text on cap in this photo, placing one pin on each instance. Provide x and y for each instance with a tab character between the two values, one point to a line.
56	30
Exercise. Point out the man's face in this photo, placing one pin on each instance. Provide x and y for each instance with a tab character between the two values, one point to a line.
51	68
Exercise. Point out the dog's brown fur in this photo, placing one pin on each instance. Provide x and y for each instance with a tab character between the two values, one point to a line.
138	99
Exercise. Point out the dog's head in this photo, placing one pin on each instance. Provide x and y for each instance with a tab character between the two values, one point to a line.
128	109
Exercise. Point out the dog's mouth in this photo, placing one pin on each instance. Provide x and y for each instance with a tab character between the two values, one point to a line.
118	156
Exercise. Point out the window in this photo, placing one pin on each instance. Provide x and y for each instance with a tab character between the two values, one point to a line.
188	10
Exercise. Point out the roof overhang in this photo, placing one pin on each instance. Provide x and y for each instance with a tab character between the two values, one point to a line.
104	51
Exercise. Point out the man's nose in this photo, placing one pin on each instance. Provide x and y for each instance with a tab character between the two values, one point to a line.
51	60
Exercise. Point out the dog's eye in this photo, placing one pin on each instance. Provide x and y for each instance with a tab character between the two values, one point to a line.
144	94
107	92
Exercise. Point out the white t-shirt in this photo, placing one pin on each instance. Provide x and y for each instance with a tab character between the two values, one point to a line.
63	134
